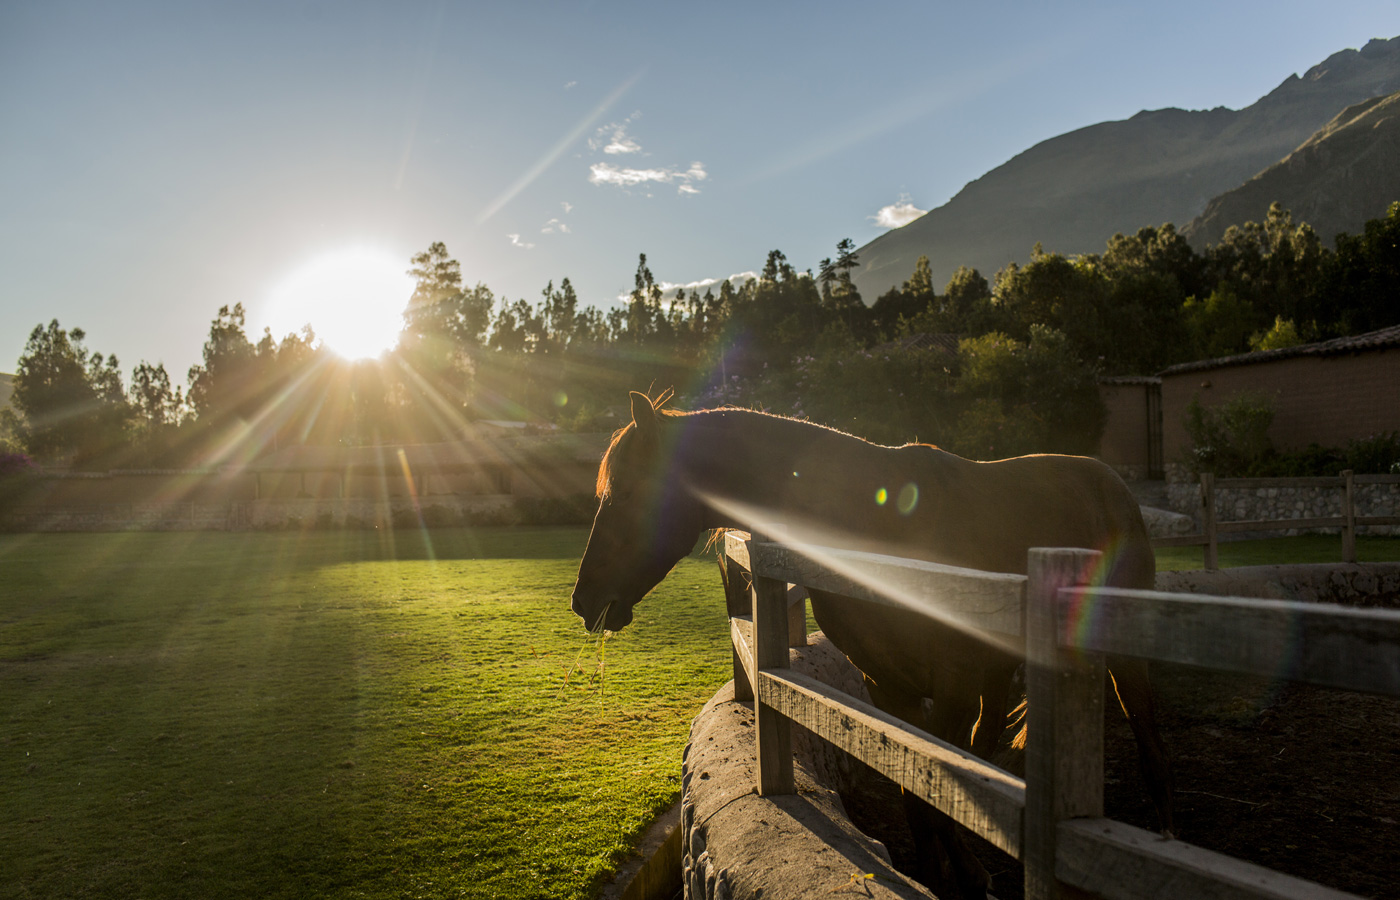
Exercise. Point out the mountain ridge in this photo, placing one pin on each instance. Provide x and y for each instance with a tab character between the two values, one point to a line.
1163	165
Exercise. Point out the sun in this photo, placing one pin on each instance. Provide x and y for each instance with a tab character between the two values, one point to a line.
353	298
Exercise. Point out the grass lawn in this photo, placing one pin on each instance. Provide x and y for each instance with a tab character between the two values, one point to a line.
350	714
333	714
1308	548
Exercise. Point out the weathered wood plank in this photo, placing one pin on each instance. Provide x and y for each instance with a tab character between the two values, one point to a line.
1180	540
1279	524
1323	481
1064	718
989	601
1208	520
736	547
982	797
1377	520
741	636
1324	644
1120	862
1377	479
773	731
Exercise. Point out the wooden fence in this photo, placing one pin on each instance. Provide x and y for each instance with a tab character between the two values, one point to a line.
1348	521
1053	819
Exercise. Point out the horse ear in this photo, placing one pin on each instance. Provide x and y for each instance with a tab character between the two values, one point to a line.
643	414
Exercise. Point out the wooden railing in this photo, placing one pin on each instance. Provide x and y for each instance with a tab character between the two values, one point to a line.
1348	521
1053	819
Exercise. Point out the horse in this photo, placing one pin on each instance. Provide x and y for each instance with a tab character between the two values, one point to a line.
668	476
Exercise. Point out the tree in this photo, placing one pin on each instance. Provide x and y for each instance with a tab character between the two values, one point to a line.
156	409
1023	397
225	385
1357	285
71	400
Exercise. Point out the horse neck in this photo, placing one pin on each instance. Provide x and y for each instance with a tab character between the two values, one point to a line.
751	470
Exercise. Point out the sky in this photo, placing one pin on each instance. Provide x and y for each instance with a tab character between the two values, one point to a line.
161	160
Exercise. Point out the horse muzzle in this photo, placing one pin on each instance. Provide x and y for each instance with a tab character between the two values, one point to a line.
601	613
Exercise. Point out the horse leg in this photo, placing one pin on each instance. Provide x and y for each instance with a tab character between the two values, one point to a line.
1139	705
946	864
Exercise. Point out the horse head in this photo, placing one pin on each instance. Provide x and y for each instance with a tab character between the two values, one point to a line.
646	520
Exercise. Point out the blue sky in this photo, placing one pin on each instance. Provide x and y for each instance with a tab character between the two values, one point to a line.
158	161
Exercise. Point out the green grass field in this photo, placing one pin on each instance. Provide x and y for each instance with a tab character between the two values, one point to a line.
350	714
333	714
1309	548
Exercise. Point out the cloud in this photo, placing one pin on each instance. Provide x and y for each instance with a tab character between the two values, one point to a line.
567	207
570	85
669	288
621	143
613	139
517	242
606	173
554	225
897	215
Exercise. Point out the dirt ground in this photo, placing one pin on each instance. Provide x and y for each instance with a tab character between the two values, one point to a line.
1302	780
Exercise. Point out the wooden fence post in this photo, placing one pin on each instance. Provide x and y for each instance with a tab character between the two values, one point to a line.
1348	517
1064	708
1212	556
773	730
797	615
738	601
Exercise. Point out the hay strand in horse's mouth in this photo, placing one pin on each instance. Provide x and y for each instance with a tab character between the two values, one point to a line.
600	647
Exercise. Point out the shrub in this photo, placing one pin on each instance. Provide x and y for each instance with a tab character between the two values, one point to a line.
1232	439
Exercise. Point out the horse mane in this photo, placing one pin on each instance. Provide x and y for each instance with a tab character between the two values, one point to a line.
603	487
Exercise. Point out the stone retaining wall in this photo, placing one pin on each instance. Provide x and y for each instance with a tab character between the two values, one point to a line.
255	515
740	846
1236	504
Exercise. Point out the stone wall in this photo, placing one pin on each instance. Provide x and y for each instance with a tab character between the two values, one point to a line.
258	515
740	846
1284	502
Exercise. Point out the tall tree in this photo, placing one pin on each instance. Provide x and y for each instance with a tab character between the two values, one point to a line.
71	399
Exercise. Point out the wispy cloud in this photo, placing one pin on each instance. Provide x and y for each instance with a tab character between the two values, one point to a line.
555	225
621	143
606	173
558	150
515	241
566	206
670	287
570	85
897	215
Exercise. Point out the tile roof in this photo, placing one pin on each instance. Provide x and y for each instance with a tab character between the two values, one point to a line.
1372	340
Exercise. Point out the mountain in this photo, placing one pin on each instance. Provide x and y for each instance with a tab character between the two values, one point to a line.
1346	173
1073	192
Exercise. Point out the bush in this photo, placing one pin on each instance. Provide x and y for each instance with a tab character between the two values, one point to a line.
1232	439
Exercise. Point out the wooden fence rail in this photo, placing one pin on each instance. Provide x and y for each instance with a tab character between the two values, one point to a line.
1348	521
1053	819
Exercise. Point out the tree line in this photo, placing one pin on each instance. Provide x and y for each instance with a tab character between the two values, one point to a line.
1016	373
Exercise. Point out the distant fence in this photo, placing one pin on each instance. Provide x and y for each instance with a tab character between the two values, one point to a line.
1348	521
1053	819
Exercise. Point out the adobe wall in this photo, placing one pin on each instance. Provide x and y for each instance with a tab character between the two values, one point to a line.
1125	437
1317	399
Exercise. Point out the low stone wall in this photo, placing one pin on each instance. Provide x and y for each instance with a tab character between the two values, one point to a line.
740	846
1364	584
256	515
1237	504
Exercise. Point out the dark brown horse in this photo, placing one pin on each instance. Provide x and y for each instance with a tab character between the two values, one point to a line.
669	476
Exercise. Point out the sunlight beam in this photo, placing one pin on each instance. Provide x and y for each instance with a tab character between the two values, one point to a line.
817	540
567	141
